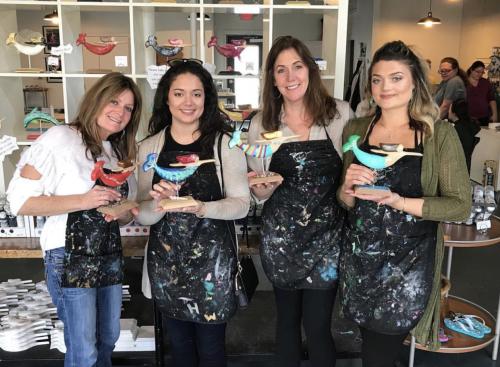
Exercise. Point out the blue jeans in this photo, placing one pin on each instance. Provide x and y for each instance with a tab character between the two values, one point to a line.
54	270
196	345
92	325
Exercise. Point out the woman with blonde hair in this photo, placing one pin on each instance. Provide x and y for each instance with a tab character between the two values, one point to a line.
391	264
82	247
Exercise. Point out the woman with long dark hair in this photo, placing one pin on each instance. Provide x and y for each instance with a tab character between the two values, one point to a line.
191	259
480	95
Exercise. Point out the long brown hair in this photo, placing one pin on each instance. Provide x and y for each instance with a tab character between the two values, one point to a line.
320	106
95	99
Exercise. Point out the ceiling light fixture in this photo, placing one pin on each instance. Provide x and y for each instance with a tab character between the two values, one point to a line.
429	20
52	17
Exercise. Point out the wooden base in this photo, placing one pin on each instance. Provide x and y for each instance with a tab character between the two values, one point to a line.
115	210
181	202
265	179
372	190
29	70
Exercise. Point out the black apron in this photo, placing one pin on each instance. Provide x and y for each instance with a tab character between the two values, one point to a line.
93	250
388	260
301	221
191	260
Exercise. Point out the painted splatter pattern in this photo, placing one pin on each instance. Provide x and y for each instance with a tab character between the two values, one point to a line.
302	222
191	261
93	252
388	258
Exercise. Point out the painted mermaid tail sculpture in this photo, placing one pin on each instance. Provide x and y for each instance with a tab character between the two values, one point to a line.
188	164
265	149
29	50
113	179
373	160
36	115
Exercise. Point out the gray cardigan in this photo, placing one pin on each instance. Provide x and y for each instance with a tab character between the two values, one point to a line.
235	204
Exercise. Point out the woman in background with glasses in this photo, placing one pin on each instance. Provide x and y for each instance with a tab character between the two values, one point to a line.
452	86
480	95
191	259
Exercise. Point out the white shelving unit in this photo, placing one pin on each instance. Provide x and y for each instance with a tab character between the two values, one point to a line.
322	26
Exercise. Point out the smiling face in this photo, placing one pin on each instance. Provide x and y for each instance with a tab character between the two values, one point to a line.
446	71
186	99
291	75
391	84
115	115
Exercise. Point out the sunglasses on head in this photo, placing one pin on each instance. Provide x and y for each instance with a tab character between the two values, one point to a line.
183	61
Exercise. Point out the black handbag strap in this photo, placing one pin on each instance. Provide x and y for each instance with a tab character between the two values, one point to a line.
230	227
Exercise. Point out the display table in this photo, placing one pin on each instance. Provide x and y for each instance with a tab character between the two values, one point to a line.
461	235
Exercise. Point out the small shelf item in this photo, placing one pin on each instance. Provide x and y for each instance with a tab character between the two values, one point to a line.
233	49
97	48
172	48
264	149
178	172
35	96
44	120
28	43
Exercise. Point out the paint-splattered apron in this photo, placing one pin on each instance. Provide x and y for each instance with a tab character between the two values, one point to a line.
388	256
93	251
191	261
301	221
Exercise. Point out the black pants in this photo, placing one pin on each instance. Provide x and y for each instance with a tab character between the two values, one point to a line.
314	308
196	345
380	350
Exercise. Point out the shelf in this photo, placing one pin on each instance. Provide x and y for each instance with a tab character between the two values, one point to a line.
461	343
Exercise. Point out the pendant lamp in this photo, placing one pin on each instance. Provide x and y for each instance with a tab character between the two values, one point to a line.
429	20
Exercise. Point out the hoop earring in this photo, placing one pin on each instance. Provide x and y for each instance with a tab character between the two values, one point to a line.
278	96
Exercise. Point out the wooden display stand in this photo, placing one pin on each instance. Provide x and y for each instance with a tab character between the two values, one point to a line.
118	208
180	202
265	179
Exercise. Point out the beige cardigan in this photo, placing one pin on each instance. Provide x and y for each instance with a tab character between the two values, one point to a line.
235	205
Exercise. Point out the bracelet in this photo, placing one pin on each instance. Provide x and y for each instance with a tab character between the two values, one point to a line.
404	202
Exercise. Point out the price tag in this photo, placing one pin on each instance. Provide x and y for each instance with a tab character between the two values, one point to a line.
7	145
121	61
483	225
154	74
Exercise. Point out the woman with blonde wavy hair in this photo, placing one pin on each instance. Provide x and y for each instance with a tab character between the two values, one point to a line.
390	267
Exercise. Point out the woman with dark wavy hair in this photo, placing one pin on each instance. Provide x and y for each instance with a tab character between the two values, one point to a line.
393	250
301	218
191	260
82	248
480	95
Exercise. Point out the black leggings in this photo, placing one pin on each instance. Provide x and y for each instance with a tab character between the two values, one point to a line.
380	350
314	308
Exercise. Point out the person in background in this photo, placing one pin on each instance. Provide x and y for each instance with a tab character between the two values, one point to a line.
466	128
191	258
391	261
452	86
302	221
82	247
480	95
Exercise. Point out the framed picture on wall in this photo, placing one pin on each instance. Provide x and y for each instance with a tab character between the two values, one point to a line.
51	36
53	65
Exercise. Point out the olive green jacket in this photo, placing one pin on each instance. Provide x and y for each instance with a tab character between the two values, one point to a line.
447	196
